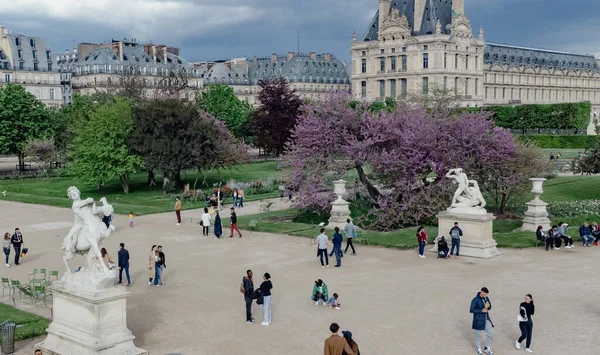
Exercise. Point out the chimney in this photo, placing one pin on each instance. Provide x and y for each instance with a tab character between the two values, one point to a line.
254	59
173	50
121	51
290	55
327	57
384	9
273	58
313	55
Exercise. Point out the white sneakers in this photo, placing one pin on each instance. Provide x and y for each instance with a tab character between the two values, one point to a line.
517	345
422	256
338	308
479	352
529	351
567	247
264	323
178	224
7	265
317	303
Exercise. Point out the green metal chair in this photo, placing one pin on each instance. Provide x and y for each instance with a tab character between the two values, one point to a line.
16	286
37	292
5	285
52	276
37	277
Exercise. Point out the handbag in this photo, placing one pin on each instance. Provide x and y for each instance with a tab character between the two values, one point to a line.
202	223
520	318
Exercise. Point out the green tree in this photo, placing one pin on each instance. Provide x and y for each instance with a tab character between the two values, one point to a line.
22	118
99	150
220	101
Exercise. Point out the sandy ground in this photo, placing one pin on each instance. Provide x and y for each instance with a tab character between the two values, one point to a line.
393	301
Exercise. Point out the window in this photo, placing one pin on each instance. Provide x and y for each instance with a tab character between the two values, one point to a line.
49	66
467	62
403	87
364	53
17	41
382	51
476	62
51	94
404	62
35	66
425	85
456	86
476	87
445	60
425	60
393	59
445	83
48	55
34	54
393	50
363	68
503	93
393	88
456	61
467	86
7	78
381	88
32	42
363	89
425	47
382	64
20	53
403	49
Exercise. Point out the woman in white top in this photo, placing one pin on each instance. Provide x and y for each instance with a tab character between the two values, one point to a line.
205	222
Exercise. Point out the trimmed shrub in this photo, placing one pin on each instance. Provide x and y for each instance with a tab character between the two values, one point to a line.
548	141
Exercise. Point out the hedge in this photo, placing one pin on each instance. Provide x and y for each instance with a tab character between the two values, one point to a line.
555	116
561	141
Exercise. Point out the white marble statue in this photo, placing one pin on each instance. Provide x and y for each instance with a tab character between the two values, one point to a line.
85	238
468	197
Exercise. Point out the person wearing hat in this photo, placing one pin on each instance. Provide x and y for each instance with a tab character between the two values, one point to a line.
348	336
335	344
234	226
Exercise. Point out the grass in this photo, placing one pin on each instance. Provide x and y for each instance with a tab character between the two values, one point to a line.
564	153
571	188
28	325
141	199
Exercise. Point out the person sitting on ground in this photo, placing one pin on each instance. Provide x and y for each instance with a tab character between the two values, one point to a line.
595	233
348	337
443	250
333	302
562	235
550	238
585	232
320	293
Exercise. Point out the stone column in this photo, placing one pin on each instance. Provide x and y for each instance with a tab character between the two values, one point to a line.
536	214
340	211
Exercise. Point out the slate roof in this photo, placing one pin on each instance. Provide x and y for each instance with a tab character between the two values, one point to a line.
537	58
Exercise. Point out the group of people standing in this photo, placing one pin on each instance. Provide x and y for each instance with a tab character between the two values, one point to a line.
337	345
16	240
322	242
262	295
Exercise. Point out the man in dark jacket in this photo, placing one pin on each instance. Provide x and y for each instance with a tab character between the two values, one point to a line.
123	260
456	234
248	285
17	241
480	307
234	226
162	264
585	232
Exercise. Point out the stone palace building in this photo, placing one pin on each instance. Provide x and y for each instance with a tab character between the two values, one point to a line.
413	46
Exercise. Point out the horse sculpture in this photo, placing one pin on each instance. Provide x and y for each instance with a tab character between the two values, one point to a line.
88	232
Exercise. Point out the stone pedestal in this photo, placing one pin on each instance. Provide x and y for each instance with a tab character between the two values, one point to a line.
536	214
86	324
477	240
340	210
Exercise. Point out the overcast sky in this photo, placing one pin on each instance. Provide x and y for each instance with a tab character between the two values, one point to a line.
211	29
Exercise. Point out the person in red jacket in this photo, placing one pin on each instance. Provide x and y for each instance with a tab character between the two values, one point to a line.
422	238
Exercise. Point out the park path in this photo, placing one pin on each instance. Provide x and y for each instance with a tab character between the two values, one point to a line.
250	208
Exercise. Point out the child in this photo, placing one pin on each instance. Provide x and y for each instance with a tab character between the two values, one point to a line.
333	302
130	219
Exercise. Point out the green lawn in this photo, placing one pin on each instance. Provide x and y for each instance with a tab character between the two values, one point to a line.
564	153
28	325
141	199
571	188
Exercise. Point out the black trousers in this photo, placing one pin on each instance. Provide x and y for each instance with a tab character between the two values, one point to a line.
322	252
567	241
205	230
550	243
526	332
349	244
17	253
248	300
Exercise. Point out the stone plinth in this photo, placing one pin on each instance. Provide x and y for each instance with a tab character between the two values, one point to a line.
85	324
477	240
536	214
340	210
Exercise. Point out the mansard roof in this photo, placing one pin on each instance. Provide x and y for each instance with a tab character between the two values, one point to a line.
537	58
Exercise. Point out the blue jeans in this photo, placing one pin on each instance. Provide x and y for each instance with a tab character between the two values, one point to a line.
235	202
588	239
240	202
126	268
338	256
17	254
455	243
422	248
156	274
7	253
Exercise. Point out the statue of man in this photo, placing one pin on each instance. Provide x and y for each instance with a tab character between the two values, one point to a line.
463	184
70	241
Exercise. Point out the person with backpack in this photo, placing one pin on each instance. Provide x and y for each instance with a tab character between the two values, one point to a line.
526	311
455	233
422	239
247	288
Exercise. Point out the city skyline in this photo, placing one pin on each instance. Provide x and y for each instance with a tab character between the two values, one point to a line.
210	29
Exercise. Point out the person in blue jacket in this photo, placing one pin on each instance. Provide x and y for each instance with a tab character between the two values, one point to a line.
480	307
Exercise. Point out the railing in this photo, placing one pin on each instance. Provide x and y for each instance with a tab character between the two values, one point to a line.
30	81
39	69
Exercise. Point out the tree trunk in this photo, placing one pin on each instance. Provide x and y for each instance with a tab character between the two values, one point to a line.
178	178
21	157
373	192
125	183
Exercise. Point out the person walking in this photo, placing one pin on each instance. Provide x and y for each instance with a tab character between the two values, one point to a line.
130	219
526	311
480	307
234	226
218	228
219	194
281	192
106	258
156	267
348	337
320	293
422	239
322	247
240	193
123	261
350	231
205	222
337	247
456	234
6	248
162	265
235	197
17	242
335	344
152	258
265	289
178	209
248	290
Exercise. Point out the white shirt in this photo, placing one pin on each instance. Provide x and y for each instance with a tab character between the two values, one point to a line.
206	220
322	240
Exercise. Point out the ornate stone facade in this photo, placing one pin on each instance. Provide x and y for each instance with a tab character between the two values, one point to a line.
411	47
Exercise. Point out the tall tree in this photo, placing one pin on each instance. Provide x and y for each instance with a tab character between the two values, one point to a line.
273	122
172	135
22	118
220	101
99	150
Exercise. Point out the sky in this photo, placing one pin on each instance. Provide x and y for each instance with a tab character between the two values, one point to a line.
222	29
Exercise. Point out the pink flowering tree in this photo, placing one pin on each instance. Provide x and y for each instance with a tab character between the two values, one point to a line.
401	157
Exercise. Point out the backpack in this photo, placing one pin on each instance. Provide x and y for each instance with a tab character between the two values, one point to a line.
455	233
242	290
